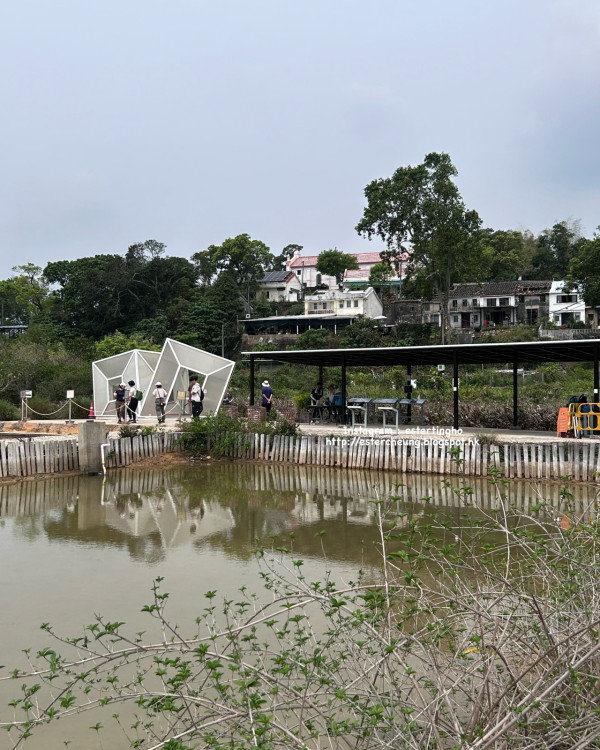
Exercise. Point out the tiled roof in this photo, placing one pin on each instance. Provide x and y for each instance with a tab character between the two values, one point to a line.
304	261
500	288
275	276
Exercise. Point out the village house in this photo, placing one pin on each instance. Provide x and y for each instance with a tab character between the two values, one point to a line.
360	302
565	306
280	286
505	303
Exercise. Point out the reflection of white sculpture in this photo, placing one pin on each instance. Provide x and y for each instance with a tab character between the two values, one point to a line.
171	367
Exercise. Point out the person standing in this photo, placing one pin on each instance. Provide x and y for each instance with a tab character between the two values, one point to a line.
196	397
267	395
160	402
120	401
132	403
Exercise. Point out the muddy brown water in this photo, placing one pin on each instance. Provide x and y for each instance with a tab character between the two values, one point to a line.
73	546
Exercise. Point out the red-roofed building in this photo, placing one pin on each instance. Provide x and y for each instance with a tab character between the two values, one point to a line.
305	268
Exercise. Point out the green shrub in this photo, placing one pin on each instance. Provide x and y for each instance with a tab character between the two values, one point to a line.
8	411
40	407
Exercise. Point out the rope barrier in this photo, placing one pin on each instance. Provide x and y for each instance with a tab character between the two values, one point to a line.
42	414
80	406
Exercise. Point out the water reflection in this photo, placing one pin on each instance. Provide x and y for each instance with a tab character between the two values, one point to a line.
229	506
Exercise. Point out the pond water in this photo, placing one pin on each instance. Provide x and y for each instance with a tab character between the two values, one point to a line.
74	546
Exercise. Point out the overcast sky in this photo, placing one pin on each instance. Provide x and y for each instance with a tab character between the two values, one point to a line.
191	121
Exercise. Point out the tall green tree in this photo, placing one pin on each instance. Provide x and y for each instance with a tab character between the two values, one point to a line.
419	212
242	257
334	262
504	256
23	295
584	270
278	262
554	250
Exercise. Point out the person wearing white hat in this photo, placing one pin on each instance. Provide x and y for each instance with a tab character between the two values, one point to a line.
160	401
267	395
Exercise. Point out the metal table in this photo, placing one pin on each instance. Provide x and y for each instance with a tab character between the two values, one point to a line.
388	406
407	405
359	406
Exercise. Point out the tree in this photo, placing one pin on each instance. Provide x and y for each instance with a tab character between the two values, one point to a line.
380	277
419	209
503	256
278	262
584	270
243	258
554	250
335	262
363	333
23	295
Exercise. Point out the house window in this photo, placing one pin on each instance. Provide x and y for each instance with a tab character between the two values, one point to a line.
503	302
267	295
315	305
454	303
341	303
566	298
355	303
557	319
476	318
542	297
435	318
425	318
455	318
426	306
521	298
474	302
299	272
324	305
491	302
465	302
318	279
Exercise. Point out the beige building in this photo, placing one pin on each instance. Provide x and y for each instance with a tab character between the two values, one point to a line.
333	302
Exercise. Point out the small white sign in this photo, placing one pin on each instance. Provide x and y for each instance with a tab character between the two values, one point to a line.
70	394
26	394
413	383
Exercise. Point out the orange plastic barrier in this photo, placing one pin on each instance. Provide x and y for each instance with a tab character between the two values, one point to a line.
562	425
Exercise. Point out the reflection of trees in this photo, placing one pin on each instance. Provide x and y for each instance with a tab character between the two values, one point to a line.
230	506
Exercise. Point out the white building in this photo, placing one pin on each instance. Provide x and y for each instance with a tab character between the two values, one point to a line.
343	303
280	286
565	306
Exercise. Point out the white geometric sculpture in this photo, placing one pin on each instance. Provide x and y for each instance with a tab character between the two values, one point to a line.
172	367
136	364
176	363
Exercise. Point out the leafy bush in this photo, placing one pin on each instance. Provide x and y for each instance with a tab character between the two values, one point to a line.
8	411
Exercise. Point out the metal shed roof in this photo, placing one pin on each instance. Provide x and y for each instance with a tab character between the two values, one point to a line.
586	350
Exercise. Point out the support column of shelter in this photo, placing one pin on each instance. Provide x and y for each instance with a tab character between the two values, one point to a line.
596	376
344	393
321	373
455	388
251	381
515	393
408	392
